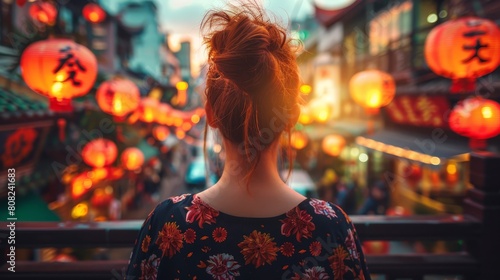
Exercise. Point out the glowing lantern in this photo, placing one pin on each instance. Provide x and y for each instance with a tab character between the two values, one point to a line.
298	140
181	98
305	116
320	110
476	118
132	158
93	13
102	197
99	153
451	173
43	12
82	183
161	133
118	97
79	211
333	145
59	69
163	113
462	50
148	109
372	89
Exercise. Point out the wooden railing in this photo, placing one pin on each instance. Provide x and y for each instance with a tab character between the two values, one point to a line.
478	228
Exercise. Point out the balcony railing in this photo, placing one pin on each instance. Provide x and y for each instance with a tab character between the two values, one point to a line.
478	229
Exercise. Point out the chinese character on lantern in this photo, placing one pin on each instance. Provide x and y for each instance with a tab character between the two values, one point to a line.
59	69
462	50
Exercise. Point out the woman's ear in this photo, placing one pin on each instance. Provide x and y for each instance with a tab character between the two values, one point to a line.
210	115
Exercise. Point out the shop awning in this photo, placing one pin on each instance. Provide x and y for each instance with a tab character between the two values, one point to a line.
30	208
346	128
429	148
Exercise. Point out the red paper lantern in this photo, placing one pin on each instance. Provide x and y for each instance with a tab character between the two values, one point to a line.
118	97
84	182
333	145
462	50
99	153
148	109
163	113
43	12
161	133
372	89
59	69
476	118
132	158
93	13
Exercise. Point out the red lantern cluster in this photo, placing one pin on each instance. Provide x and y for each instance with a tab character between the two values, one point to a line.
59	69
476	118
462	50
43	12
93	13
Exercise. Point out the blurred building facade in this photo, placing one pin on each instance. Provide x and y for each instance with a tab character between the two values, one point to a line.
390	36
129	44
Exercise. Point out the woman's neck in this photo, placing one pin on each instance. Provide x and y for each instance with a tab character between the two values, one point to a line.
237	167
264	194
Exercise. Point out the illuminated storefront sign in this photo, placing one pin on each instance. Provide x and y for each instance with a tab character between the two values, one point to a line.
419	110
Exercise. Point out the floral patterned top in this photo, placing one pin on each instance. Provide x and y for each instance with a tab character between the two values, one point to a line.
185	238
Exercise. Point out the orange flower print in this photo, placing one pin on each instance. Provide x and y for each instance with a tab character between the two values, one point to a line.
287	249
297	222
219	234
179	198
315	248
258	249
223	267
169	239
314	273
190	235
201	212
337	262
322	207
149	268
145	243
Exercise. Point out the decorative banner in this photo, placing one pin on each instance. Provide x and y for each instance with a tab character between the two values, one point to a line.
18	147
419	110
